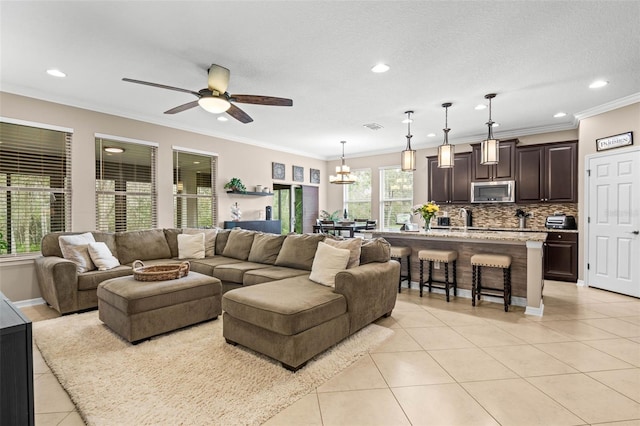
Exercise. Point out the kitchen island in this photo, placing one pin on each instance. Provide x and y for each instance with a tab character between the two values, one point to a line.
525	249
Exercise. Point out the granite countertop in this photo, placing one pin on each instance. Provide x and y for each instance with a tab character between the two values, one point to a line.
470	233
491	228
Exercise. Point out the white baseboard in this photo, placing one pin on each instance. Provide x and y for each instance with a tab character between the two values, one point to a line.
581	283
516	301
30	302
535	311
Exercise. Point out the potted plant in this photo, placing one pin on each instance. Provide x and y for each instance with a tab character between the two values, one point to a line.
235	185
522	217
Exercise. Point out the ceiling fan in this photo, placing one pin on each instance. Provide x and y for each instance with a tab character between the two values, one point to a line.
216	99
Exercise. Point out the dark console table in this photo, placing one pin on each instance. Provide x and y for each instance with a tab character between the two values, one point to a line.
16	366
270	226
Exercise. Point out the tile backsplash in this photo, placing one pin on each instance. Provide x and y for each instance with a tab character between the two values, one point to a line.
500	215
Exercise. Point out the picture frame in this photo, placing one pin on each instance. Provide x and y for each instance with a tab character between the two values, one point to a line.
298	174
277	171
615	141
314	176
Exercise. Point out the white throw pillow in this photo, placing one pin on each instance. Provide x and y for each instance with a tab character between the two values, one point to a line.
191	246
209	239
354	245
327	263
76	249
102	256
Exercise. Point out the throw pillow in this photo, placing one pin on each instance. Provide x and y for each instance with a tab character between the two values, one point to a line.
149	244
354	245
376	250
209	239
191	246
222	237
327	263
102	256
265	248
76	249
298	251
239	244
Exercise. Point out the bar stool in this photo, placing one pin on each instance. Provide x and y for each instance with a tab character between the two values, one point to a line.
397	253
491	261
442	256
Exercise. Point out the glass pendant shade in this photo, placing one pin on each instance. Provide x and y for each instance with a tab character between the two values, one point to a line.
343	174
408	156
445	156
490	147
214	104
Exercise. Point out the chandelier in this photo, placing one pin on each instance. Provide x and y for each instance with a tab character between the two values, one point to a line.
343	174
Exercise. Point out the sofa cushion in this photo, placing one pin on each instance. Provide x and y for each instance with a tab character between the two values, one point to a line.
221	240
354	245
272	273
234	272
90	280
206	265
209	239
171	235
375	250
327	263
298	250
191	246
76	249
265	248
239	244
142	245
102	256
287	306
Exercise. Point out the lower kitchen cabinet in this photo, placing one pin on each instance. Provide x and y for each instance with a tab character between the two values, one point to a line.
561	256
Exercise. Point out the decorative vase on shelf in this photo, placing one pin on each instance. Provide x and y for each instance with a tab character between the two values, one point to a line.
236	214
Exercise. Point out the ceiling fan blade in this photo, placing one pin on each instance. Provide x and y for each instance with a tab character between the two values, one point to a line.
239	114
218	78
181	108
162	86
261	100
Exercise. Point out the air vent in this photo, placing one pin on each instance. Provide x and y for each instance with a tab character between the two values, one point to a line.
373	126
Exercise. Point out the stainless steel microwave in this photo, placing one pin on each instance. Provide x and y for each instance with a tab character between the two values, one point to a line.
499	191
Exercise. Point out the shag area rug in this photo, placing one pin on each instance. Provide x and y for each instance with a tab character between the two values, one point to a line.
190	376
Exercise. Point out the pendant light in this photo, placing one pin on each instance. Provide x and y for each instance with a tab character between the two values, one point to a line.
445	151
343	174
408	156
490	148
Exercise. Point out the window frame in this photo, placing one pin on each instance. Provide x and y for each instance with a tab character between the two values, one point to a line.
345	194
383	199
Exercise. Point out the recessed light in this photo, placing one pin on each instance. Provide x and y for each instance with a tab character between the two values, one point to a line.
431	135
481	107
56	73
598	84
559	114
223	118
378	68
114	150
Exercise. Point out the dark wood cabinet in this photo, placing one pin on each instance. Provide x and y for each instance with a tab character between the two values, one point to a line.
547	173
16	366
450	186
504	170
269	226
561	256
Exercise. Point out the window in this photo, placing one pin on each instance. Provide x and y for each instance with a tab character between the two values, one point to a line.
194	193
357	196
125	185
35	185
396	195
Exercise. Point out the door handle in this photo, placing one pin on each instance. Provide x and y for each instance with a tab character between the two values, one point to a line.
635	232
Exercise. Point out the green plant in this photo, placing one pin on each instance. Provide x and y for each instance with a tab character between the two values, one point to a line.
235	184
325	215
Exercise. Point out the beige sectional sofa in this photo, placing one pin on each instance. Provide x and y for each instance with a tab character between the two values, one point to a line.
277	308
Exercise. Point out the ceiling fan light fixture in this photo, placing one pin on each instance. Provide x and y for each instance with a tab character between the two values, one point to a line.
343	174
446	151
408	156
490	147
214	104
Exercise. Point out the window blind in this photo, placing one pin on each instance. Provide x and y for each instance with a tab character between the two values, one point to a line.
357	196
194	190
396	195
35	186
126	190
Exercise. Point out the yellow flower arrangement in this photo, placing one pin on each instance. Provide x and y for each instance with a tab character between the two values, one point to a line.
427	211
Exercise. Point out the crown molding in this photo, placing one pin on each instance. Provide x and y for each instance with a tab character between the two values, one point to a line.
609	106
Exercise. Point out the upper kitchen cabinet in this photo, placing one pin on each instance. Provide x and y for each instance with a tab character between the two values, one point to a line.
504	170
547	173
452	185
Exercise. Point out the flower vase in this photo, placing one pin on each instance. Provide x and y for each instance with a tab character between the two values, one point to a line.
427	224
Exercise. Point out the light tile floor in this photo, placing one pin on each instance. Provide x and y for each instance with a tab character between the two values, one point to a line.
452	364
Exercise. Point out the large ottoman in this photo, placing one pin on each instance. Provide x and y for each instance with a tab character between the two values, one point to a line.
137	310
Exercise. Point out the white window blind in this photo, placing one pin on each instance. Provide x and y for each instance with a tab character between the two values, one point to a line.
357	196
35	186
194	190
396	195
126	190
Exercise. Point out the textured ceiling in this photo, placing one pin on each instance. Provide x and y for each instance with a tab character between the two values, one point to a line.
539	57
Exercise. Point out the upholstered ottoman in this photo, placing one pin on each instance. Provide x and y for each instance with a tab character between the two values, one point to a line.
137	310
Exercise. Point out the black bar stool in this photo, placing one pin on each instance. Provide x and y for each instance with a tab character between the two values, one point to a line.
491	261
442	256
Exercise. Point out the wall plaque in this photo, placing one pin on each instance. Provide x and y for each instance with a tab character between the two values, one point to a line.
616	141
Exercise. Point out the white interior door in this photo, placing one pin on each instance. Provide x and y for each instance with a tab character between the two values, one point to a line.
614	222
